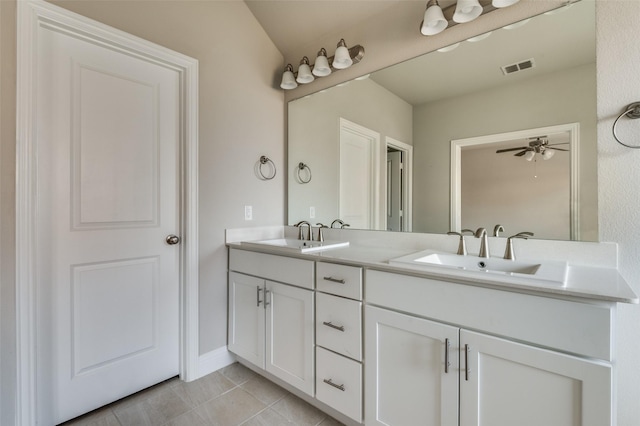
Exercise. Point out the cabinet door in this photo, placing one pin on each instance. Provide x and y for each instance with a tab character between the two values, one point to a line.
290	321
246	317
509	383
408	380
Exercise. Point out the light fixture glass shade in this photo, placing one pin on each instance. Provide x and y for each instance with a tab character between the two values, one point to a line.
548	153
479	37
466	11
503	3
342	59
529	155
304	72
448	48
288	79
321	67
434	21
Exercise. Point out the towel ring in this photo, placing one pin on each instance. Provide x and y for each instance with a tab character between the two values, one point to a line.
266	160
301	167
632	112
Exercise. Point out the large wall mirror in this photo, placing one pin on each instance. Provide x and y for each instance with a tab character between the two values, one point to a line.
499	129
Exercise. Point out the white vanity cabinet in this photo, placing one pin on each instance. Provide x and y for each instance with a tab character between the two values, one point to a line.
271	315
339	338
426	371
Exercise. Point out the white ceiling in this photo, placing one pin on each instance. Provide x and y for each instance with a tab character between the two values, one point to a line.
471	67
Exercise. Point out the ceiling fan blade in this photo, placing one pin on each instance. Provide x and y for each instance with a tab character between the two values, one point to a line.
510	149
521	153
557	149
561	143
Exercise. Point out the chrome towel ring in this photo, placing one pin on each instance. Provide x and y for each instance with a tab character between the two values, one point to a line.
301	167
633	112
272	172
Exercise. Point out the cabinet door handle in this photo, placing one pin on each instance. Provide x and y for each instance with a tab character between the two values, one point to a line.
266	298
447	345
467	370
334	280
258	301
330	383
330	324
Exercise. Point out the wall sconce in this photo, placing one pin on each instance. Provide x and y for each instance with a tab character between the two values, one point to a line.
343	58
436	20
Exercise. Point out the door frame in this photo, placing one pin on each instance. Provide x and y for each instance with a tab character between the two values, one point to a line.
574	173
33	14
407	188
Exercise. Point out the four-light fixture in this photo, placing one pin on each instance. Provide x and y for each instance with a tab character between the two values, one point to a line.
343	58
465	11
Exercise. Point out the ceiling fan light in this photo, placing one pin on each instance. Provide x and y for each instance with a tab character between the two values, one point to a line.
466	11
434	21
529	155
548	153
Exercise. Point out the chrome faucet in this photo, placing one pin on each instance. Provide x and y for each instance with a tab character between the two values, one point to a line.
320	234
484	244
462	247
497	230
301	232
338	221
509	254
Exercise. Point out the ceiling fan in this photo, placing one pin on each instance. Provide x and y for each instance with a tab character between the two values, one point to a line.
538	145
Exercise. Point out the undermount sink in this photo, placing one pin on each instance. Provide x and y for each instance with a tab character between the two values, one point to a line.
550	271
298	246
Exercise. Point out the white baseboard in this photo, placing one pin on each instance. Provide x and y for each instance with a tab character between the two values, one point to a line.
214	361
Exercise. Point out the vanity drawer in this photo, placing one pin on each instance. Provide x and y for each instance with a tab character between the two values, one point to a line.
341	280
339	325
283	269
339	383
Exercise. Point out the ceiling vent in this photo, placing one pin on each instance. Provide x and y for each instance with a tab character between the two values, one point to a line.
520	66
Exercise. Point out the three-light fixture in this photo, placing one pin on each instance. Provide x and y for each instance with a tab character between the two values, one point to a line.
343	58
465	11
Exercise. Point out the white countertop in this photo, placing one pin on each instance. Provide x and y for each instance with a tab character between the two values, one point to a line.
596	283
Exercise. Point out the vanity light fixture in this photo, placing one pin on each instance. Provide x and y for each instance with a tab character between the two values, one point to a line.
437	20
304	72
343	58
467	11
434	21
288	79
321	68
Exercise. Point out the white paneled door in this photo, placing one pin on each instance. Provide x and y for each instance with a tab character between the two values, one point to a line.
108	283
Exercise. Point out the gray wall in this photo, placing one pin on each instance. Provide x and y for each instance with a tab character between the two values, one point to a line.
314	137
508	108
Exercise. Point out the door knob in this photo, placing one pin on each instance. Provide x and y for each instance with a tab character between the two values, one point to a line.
172	239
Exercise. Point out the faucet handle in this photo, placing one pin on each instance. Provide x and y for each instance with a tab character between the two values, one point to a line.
462	247
320	234
509	254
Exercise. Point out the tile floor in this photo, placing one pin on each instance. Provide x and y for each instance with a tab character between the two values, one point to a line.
233	395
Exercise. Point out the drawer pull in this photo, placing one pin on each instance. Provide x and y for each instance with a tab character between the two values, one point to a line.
334	280
330	383
330	324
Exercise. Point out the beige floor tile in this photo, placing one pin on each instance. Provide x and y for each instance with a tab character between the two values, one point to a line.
298	411
188	419
264	390
160	407
230	409
100	417
268	417
237	373
204	389
330	421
